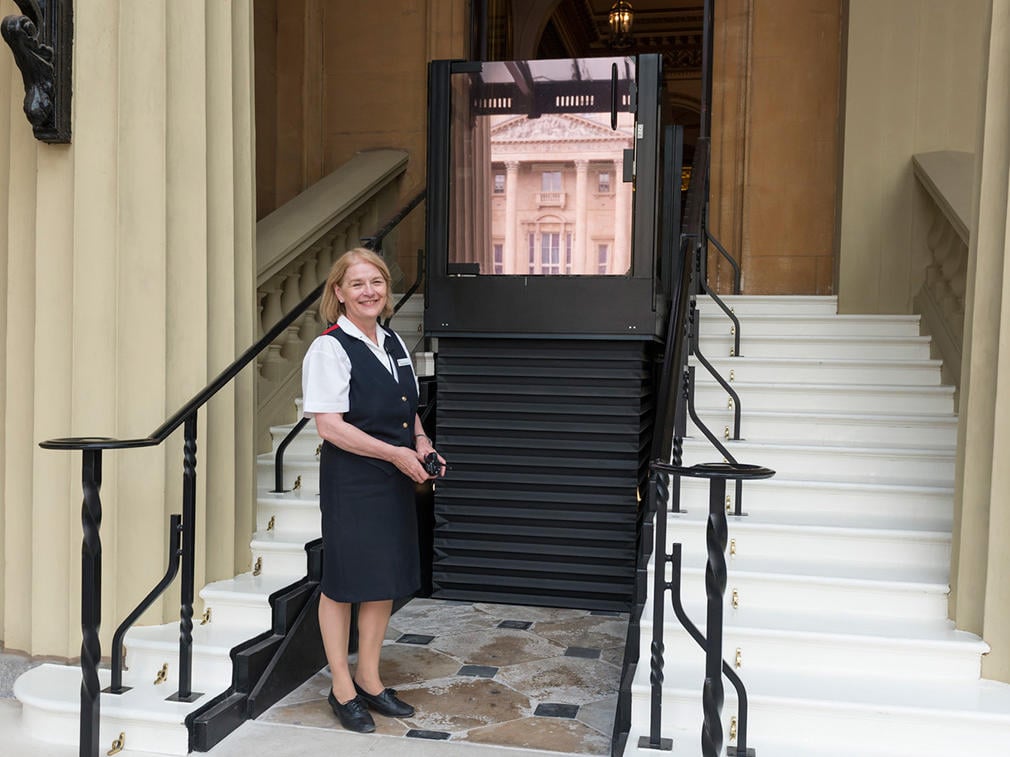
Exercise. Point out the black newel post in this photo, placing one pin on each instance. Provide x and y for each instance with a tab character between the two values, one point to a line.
716	536
185	692
91	600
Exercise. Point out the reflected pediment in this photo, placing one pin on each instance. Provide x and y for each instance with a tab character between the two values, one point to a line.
557	128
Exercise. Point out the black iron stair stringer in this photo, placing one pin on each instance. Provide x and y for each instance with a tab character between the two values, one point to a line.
270	665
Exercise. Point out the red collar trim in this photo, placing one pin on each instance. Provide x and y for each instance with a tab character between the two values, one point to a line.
334	327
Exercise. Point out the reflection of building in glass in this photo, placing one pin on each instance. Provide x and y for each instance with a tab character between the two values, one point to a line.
559	206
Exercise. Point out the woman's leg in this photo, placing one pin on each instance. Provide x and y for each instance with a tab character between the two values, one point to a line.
335	628
373	617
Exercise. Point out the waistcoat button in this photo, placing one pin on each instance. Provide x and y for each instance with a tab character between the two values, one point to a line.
405	425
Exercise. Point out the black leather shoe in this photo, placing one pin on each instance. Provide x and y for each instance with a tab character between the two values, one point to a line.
353	715
385	703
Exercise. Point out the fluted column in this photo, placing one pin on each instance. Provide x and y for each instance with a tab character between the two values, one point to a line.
620	259
128	267
511	264
582	263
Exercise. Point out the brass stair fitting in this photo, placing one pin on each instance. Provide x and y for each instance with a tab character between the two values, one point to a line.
738	660
736	599
118	745
732	547
162	675
206	617
298	484
732	728
271	523
258	567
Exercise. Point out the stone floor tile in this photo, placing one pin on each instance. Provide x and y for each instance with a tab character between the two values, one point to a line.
500	646
590	631
599	714
317	687
456	705
318	714
562	679
554	734
535	614
403	664
614	655
430	616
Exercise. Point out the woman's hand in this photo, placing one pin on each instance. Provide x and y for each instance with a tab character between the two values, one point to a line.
406	460
424	449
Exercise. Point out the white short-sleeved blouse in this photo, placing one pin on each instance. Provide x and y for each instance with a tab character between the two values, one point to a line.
326	369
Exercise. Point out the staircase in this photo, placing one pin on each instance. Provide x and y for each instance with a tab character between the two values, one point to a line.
252	613
836	605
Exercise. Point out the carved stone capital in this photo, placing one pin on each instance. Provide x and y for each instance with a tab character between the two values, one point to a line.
41	41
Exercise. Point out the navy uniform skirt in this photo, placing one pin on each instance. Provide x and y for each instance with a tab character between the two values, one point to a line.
369	525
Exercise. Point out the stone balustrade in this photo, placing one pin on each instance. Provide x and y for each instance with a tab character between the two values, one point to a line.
946	177
296	245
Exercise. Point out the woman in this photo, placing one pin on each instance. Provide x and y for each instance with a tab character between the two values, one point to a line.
358	382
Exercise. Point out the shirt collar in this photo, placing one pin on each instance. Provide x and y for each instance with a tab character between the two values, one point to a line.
348	327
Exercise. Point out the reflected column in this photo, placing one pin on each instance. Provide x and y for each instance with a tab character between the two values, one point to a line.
620	258
511	191
580	264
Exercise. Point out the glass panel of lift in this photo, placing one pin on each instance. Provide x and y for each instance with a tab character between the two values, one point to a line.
543	198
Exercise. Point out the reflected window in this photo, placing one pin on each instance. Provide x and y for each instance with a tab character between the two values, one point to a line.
603	184
550	253
568	253
499	183
533	252
602	257
550	181
499	258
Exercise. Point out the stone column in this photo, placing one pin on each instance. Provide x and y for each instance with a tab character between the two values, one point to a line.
509	262
980	567
581	261
130	276
620	258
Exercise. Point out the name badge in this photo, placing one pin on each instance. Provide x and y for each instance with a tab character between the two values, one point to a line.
403	361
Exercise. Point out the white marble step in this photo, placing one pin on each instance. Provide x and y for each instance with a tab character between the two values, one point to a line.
892	465
808	325
935	431
798	642
854	714
299	471
860	399
148	648
303	445
837	347
769	304
828	504
282	552
50	700
752	538
794	370
244	599
831	502
783	585
293	512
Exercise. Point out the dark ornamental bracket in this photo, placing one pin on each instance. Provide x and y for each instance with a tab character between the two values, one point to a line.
42	40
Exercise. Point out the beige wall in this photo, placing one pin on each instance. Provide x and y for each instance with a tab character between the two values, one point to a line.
911	86
341	76
774	143
127	283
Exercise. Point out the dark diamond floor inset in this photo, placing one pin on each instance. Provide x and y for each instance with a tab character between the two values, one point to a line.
415	733
555	710
478	671
519	625
586	653
415	638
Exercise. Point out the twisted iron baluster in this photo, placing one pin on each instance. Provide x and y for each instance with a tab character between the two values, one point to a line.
185	692
716	537
91	600
657	505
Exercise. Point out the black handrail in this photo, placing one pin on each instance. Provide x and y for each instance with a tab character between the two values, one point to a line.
91	554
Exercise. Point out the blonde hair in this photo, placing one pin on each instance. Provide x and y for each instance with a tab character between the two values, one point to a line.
332	308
